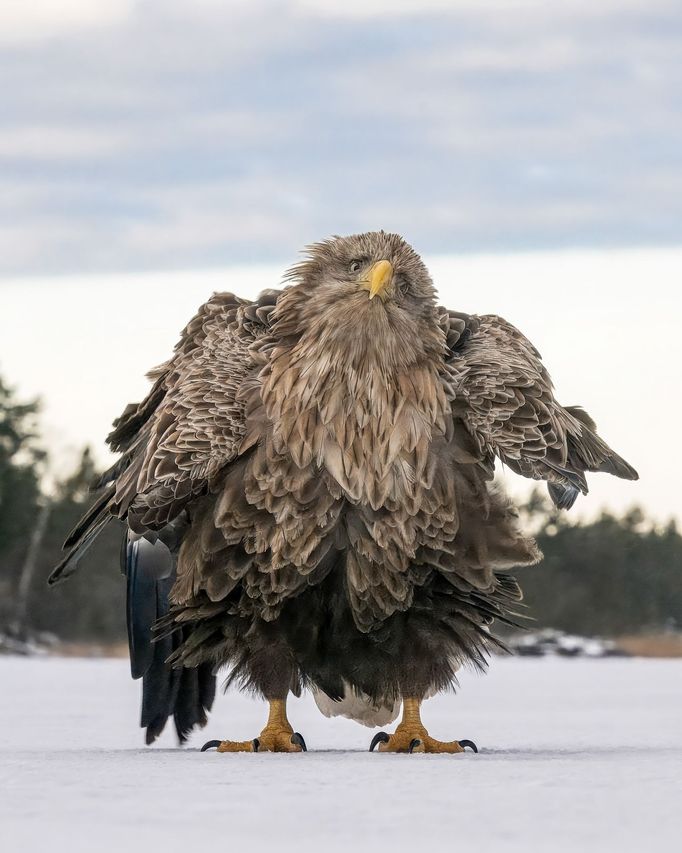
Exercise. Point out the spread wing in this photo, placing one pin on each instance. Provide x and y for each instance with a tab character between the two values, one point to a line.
179	438
502	392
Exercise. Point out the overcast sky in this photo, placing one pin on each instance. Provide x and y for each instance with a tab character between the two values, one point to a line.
191	133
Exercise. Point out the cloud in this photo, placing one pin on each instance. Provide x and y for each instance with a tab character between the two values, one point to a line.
172	134
518	10
45	142
38	20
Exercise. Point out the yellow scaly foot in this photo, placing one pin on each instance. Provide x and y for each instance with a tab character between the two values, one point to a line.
277	736
412	736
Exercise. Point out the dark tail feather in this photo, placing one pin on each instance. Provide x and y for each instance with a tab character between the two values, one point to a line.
195	697
160	684
185	694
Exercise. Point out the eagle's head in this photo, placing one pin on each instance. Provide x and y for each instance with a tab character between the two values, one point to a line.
367	300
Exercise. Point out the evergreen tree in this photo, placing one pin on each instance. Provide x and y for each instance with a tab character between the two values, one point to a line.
91	605
21	461
607	577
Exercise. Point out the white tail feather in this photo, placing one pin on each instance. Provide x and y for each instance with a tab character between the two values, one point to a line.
358	707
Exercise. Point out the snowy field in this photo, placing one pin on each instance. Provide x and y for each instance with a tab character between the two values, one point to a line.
581	755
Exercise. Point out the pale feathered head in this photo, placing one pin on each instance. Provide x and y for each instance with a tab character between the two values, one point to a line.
367	299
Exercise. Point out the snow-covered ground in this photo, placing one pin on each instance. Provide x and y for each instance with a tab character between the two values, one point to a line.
575	755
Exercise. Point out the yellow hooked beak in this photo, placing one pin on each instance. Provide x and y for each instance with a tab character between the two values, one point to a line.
378	279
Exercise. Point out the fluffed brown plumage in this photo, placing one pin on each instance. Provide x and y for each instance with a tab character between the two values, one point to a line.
331	459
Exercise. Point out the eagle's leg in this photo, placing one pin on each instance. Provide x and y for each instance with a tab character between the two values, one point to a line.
277	736
411	735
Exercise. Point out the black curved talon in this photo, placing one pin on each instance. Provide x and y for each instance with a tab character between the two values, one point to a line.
297	740
413	745
381	737
255	743
210	744
468	743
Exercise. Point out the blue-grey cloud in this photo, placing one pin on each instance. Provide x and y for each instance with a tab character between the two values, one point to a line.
184	133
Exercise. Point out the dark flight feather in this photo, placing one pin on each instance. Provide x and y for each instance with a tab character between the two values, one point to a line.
186	695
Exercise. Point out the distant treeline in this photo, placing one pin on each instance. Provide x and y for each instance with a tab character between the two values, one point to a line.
607	577
90	606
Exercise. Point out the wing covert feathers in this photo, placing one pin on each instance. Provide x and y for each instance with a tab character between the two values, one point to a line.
177	440
501	390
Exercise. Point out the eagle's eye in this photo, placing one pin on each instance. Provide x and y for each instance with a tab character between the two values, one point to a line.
402	284
354	266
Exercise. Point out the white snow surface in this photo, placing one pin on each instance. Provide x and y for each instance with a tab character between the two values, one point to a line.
575	755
